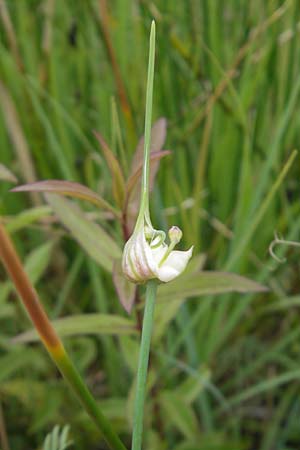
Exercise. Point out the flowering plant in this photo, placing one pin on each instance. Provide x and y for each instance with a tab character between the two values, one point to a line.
147	259
146	255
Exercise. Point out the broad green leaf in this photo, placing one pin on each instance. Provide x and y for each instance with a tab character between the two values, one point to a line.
207	283
7	175
82	324
92	238
68	188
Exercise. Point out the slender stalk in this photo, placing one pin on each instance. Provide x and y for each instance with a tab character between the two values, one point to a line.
51	340
144	207
143	365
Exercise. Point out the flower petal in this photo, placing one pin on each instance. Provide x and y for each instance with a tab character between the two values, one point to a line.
158	254
138	263
174	265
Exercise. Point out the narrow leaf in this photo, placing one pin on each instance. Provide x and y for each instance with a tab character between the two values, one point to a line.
68	188
84	324
115	169
207	283
93	239
7	175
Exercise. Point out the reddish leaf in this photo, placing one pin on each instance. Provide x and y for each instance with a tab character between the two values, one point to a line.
68	188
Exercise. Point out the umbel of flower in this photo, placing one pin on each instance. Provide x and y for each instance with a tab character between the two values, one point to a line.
146	255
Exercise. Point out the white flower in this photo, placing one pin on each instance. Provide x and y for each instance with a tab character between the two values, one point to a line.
146	256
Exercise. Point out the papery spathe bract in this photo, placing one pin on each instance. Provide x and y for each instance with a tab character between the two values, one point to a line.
146	256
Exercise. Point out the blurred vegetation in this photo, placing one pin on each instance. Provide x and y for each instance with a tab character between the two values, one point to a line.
224	369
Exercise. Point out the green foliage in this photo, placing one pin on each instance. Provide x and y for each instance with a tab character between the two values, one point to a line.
85	324
225	361
57	439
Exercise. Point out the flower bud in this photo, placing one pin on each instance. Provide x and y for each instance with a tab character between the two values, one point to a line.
175	234
146	256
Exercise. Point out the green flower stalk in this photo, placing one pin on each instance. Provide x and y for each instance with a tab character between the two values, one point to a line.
146	256
148	259
51	340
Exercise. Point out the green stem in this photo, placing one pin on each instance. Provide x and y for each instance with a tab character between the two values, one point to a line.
73	378
151	288
144	207
51	340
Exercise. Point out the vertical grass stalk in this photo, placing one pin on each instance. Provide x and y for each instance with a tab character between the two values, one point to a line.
52	341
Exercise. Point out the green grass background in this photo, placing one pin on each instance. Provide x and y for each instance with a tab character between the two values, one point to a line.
227	80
